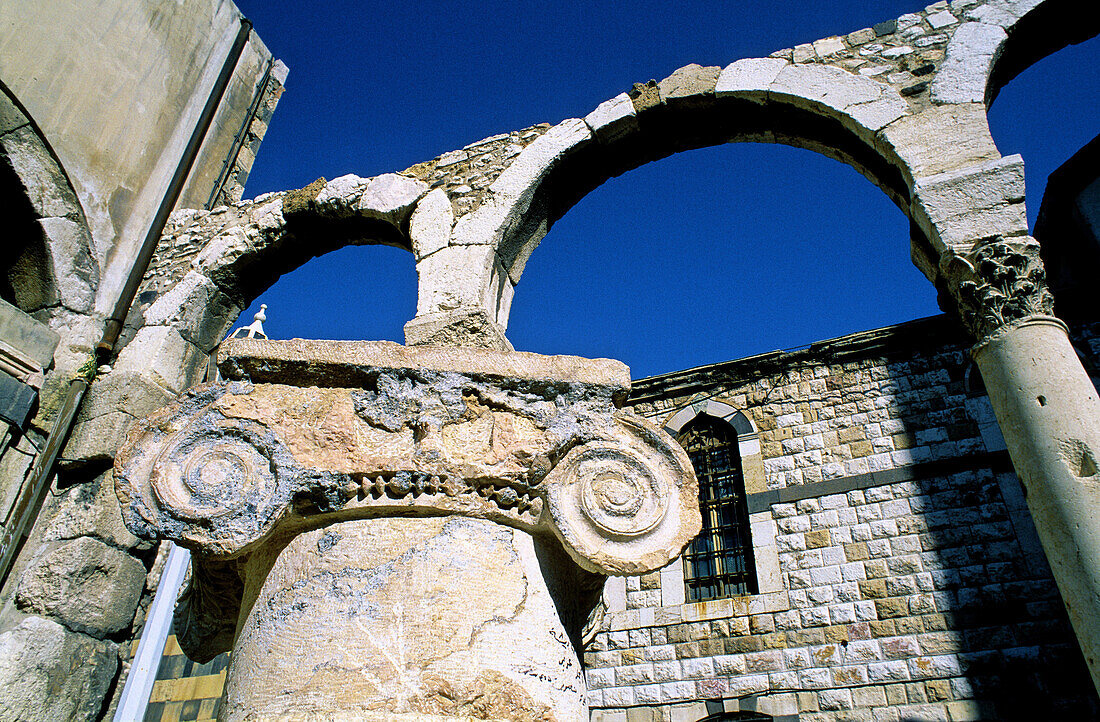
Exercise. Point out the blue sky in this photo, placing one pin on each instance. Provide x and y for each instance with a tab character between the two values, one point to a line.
702	257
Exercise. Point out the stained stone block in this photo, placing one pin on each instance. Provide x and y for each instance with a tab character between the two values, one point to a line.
90	586
46	185
50	673
75	272
91	509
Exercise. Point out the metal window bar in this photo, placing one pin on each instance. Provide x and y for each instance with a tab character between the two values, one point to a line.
718	562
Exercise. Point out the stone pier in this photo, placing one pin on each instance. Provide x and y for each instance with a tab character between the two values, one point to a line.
408	533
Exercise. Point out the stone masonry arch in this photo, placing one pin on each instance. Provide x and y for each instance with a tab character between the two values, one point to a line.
49	265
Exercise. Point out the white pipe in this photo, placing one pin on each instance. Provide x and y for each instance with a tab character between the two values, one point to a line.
143	671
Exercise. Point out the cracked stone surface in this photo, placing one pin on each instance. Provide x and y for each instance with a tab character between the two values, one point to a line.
449	617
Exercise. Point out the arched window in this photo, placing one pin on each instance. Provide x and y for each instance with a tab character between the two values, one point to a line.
719	562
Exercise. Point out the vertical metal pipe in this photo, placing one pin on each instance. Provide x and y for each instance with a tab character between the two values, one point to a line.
143	670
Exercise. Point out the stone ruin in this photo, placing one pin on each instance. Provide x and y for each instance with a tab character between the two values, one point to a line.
422	531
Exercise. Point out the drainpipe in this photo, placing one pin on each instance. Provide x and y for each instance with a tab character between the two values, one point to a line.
30	502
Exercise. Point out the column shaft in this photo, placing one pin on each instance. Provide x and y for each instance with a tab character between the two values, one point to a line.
1049	413
406	619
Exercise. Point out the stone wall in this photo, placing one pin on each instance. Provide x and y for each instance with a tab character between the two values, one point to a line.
911	582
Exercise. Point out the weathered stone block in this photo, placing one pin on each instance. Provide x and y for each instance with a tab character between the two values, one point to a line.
431	223
161	354
91	509
90	586
50	673
453	277
470	328
691	84
941	139
196	308
339	196
46	185
612	118
749	78
109	408
75	272
391	197
964	75
961	207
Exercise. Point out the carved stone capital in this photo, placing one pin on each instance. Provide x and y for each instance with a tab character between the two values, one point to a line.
998	283
312	433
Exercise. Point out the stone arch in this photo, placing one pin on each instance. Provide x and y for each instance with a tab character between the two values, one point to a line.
210	265
1000	39
862	122
49	263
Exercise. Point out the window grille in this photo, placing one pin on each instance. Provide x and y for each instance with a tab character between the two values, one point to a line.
719	562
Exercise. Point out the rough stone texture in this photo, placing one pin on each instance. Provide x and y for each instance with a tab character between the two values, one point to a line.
161	355
453	277
461	328
929	142
963	207
970	56
749	78
90	586
75	272
50	673
91	509
613	118
688	85
439	617
109	407
431	223
391	197
196	308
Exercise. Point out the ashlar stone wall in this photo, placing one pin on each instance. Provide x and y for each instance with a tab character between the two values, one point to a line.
910	583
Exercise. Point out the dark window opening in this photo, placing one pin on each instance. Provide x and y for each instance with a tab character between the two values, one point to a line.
719	562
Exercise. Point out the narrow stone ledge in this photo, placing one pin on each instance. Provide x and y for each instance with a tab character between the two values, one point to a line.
327	363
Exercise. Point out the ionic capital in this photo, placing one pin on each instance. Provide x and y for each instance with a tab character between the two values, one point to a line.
317	432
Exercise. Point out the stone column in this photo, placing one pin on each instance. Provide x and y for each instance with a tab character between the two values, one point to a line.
383	532
1048	411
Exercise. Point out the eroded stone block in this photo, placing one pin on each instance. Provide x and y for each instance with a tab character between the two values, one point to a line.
90	586
50	673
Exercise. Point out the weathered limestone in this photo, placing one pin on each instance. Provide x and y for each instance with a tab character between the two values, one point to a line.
94	588
523	455
450	617
613	118
970	57
984	200
48	672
